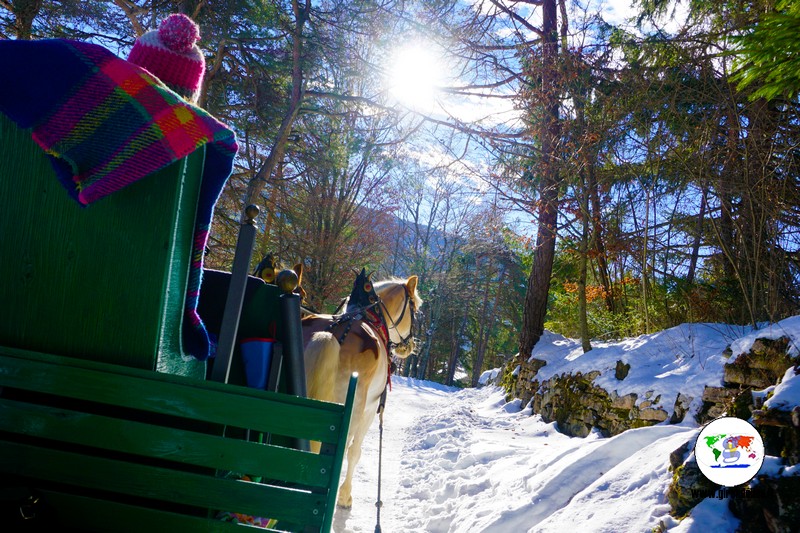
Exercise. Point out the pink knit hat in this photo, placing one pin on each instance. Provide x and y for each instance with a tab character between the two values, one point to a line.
171	55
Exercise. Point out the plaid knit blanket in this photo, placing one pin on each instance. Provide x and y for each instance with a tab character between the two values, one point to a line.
106	123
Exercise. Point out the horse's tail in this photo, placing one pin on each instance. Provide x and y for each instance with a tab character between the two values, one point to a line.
322	365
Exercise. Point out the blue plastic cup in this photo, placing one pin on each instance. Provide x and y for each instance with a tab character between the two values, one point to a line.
257	356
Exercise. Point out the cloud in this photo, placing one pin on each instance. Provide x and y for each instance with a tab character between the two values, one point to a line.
478	110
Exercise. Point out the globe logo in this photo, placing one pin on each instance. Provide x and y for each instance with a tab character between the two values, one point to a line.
729	451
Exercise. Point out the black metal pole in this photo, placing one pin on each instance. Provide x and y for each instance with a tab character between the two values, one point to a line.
293	344
292	339
233	304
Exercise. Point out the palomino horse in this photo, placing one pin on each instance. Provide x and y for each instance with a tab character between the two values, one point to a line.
362	341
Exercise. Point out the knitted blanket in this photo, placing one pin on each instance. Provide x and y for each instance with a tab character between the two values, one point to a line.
106	123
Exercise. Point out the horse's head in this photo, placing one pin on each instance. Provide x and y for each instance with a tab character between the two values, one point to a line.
399	304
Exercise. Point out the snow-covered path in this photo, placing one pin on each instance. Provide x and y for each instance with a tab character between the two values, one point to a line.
464	461
406	403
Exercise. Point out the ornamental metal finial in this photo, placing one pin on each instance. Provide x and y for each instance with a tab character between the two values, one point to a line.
286	280
251	212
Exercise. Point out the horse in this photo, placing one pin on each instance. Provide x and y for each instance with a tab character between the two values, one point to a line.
268	269
362	340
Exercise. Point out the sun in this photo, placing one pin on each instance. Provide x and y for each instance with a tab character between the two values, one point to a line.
415	76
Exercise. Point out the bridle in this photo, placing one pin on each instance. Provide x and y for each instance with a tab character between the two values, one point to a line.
408	303
375	315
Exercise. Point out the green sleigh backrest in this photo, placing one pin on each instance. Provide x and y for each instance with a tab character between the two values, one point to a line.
105	282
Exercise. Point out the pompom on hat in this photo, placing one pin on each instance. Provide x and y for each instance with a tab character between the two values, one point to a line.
170	54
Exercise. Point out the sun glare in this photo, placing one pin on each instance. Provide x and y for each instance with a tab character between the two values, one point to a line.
414	76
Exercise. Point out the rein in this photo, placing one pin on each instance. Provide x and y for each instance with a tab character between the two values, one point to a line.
377	320
379	502
348	318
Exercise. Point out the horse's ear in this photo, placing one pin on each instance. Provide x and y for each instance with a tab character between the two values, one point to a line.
298	269
370	274
411	284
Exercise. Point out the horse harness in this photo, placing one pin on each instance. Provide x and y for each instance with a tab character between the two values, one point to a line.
374	315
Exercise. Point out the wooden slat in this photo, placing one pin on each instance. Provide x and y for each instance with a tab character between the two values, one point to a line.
102	432
102	515
120	370
104	442
198	400
161	484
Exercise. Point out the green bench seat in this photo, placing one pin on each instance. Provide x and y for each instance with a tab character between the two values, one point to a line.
108	447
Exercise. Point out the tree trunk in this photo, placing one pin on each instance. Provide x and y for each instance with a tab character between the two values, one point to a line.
24	13
259	182
582	193
535	306
644	264
698	238
422	362
598	244
583	320
487	331
458	339
485	320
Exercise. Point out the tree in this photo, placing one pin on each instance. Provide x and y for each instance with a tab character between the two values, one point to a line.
768	54
507	51
535	306
23	13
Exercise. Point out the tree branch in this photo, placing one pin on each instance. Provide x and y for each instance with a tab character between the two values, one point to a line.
131	10
517	18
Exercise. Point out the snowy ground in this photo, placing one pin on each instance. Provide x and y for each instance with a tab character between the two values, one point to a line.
465	461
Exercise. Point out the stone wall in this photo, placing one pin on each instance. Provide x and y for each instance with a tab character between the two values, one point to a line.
577	405
776	504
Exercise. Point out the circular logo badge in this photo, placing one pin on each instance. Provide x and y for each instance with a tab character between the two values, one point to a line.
729	451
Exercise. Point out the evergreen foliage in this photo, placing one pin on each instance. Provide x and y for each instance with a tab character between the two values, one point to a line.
671	158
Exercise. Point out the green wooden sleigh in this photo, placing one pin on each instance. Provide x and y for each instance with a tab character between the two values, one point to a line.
105	424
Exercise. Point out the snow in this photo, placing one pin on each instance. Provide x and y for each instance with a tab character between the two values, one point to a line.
685	359
711	514
489	376
465	460
785	328
786	394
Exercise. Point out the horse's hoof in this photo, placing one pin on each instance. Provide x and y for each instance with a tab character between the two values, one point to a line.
345	502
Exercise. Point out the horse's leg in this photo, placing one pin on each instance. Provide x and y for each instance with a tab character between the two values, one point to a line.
322	364
345	498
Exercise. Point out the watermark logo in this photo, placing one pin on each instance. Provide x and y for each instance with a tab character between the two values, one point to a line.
729	451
